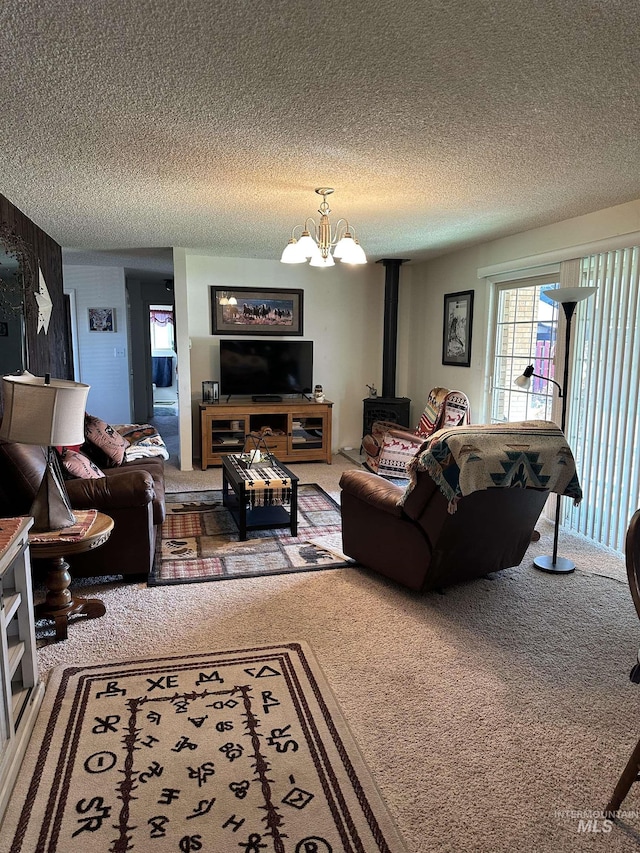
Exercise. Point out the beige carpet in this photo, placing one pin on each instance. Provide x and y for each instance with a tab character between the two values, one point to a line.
493	718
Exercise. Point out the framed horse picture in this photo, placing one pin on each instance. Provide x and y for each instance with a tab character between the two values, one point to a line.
256	311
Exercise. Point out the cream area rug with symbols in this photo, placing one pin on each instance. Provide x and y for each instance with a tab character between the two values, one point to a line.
241	750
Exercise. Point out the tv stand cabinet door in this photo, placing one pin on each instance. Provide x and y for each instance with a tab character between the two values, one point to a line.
310	433
223	429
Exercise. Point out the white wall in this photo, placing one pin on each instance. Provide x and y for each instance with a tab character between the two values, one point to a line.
343	316
103	356
425	284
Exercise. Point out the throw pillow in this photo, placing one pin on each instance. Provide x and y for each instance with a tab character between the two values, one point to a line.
394	456
76	464
106	438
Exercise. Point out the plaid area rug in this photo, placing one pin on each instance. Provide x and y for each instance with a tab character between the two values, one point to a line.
240	750
200	540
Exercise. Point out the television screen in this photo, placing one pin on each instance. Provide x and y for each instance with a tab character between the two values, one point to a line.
266	367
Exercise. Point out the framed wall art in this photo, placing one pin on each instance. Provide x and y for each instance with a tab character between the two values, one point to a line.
256	311
102	319
458	323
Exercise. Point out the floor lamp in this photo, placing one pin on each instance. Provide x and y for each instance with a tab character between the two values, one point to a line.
568	297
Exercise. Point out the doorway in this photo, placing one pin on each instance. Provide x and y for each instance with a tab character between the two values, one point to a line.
164	373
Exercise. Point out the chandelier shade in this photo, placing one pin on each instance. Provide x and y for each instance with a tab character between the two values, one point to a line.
316	241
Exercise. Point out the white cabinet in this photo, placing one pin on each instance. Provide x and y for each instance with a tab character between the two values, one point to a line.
22	690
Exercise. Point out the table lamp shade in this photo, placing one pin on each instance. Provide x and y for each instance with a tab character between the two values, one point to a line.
48	414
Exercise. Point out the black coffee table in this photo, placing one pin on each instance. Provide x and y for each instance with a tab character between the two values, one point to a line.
250	513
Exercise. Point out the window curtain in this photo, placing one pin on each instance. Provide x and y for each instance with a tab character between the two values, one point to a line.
603	425
161	318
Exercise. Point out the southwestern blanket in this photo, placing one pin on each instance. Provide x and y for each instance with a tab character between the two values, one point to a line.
144	441
523	455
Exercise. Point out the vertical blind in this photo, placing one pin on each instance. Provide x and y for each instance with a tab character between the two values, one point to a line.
604	419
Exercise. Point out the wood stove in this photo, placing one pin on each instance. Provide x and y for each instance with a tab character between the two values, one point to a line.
393	409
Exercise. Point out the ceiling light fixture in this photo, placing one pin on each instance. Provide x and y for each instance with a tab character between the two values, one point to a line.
315	242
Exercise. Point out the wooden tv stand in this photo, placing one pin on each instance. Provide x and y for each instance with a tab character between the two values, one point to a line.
301	429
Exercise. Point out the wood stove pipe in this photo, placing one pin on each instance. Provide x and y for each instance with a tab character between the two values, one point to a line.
390	340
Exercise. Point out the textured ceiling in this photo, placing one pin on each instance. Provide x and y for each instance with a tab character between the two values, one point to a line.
209	124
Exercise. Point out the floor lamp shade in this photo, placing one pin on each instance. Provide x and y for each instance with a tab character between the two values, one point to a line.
50	413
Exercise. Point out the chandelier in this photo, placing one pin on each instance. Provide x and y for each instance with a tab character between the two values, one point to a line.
316	241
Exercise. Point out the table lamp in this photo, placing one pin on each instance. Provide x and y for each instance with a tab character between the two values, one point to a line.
47	412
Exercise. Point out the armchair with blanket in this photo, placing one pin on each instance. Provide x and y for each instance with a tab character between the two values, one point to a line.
390	447
470	507
107	474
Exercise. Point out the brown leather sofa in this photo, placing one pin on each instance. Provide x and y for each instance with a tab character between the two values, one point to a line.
420	544
132	494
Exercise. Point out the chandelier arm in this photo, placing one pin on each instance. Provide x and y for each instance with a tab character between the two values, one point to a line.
336	233
315	227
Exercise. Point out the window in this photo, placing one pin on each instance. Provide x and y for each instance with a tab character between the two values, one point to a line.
526	323
161	319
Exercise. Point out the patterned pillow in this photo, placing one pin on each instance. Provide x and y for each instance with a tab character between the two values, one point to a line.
106	438
394	456
77	464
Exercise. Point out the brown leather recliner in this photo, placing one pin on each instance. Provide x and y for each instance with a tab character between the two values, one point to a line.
420	544
474	497
132	494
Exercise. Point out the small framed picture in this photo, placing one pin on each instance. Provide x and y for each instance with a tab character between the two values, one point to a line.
210	391
456	333
102	319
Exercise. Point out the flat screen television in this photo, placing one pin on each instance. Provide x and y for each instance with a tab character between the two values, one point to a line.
265	368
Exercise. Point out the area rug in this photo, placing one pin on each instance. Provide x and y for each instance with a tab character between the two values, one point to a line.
241	750
199	540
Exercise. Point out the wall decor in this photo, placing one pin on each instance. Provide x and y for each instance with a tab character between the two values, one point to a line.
102	319
4	329
458	323
45	305
256	311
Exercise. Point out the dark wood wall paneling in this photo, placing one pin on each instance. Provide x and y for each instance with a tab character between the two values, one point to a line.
50	352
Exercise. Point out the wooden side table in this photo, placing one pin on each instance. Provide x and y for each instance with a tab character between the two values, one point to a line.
60	605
